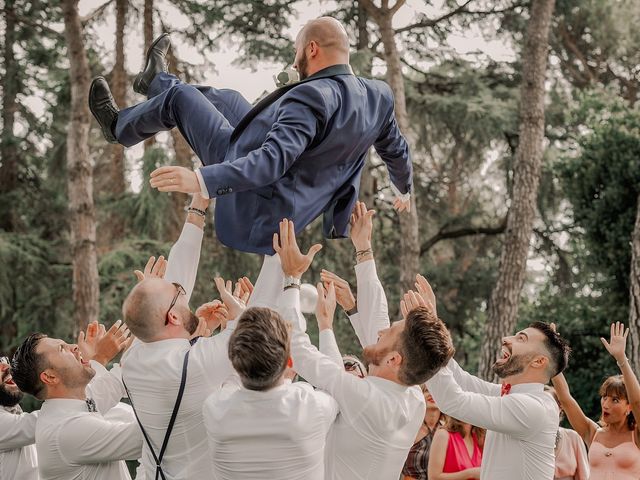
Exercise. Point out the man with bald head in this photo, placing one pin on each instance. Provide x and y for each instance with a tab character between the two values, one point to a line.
299	153
157	313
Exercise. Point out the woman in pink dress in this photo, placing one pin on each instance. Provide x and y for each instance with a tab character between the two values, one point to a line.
614	443
456	452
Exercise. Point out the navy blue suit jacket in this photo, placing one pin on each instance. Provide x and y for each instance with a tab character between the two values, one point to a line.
303	156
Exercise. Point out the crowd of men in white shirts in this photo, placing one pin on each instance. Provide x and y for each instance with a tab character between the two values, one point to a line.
223	406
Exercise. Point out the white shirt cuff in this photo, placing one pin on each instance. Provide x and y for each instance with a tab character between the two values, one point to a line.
203	186
402	196
365	271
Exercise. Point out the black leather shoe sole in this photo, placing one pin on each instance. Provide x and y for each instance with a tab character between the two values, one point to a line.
103	107
141	84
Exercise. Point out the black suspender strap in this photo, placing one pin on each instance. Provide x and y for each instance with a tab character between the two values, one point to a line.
172	421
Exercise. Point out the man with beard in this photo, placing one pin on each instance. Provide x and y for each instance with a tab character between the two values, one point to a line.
18	458
380	414
298	153
73	439
157	312
521	419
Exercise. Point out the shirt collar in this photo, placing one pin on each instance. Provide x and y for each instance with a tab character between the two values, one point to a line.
64	405
386	384
527	388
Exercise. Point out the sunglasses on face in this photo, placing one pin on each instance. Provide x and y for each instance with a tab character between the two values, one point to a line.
350	366
179	291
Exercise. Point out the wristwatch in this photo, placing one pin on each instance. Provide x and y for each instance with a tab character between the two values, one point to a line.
291	282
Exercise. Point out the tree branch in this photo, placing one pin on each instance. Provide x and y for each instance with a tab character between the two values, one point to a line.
398	5
95	13
462	232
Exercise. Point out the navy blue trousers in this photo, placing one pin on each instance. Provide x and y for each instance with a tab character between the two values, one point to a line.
205	116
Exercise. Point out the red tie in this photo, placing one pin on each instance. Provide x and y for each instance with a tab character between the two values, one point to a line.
506	388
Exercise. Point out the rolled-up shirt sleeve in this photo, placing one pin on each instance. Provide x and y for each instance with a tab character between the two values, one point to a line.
515	414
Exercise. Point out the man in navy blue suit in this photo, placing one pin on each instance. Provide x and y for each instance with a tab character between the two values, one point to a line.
297	154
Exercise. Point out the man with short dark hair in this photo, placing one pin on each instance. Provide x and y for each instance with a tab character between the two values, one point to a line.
266	427
18	458
73	439
520	418
380	414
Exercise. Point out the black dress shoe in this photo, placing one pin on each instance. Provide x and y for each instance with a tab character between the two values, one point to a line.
156	63
103	107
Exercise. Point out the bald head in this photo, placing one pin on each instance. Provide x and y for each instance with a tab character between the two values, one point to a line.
321	43
145	307
328	33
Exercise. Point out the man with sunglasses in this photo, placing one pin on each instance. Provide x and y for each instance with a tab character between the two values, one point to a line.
18	458
157	312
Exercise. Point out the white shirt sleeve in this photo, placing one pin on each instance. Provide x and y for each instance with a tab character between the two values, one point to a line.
17	430
90	439
329	346
204	191
213	354
106	388
184	257
472	383
269	284
515	414
373	312
351	393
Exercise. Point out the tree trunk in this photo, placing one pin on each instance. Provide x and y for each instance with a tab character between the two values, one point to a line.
367	181
8	142
634	294
117	178
148	40
505	297
409	253
80	173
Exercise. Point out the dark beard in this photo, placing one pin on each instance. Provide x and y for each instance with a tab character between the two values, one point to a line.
191	323
513	366
9	399
373	356
303	66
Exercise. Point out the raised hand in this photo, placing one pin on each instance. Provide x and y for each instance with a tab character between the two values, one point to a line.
326	306
215	314
201	330
245	288
426	292
175	179
361	226
344	295
116	339
153	268
88	340
410	301
234	305
294	262
617	343
402	205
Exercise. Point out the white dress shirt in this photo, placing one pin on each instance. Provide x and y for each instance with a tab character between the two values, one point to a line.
277	434
152	372
373	312
18	458
73	443
521	426
378	418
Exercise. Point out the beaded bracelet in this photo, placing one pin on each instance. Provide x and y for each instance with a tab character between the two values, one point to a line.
197	211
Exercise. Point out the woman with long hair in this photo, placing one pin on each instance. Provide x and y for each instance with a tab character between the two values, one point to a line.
415	467
456	451
614	443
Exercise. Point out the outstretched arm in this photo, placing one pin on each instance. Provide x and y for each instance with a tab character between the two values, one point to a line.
582	424
394	152
616	346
